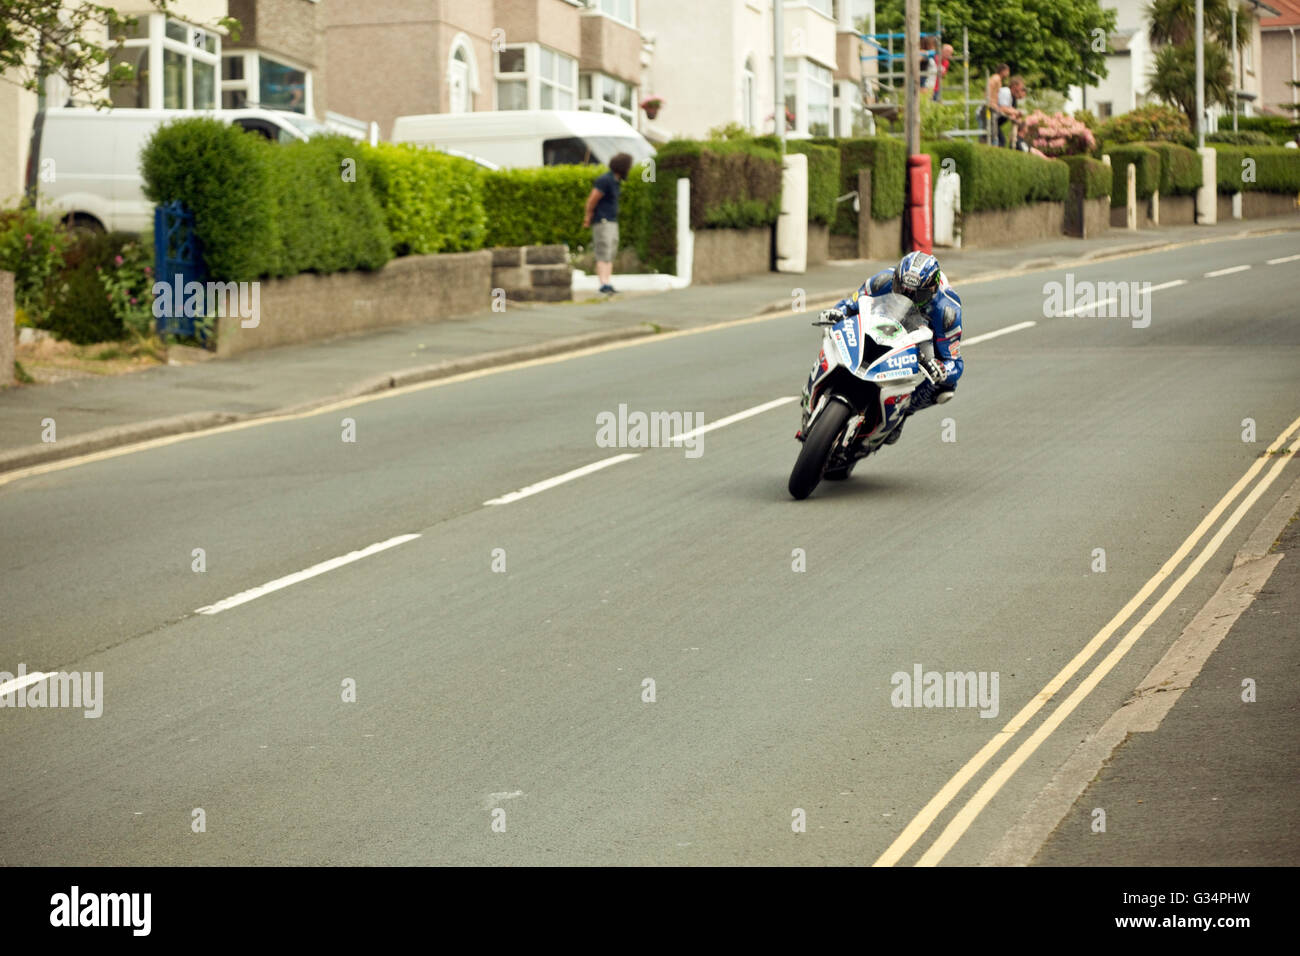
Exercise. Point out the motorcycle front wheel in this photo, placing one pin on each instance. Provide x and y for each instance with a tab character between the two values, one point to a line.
816	451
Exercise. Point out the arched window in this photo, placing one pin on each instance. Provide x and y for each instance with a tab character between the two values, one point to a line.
462	76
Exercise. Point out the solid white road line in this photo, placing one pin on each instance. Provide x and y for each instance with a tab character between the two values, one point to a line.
1278	262
1224	272
9	686
739	416
996	332
559	479
243	597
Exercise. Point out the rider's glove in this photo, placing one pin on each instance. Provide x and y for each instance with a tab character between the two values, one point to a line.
831	315
935	369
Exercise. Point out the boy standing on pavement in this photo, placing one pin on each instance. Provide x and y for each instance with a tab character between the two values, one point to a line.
602	217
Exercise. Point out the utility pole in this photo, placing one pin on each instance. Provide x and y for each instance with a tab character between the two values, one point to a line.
1236	69
1200	73
778	74
912	75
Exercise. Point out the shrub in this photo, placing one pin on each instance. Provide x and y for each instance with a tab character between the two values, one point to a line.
1276	169
325	223
432	202
32	248
1146	124
1278	129
997	178
1146	160
83	311
1091	175
887	160
1243	138
1180	169
1058	134
823	175
538	206
223	175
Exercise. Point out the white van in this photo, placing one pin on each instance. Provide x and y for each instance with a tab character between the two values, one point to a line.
515	138
85	163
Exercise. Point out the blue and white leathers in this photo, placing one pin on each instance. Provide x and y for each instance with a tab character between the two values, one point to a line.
942	313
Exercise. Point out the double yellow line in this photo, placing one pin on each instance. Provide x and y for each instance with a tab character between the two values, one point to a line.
964	817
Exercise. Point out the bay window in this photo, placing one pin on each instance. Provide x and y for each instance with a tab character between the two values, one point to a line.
532	76
175	65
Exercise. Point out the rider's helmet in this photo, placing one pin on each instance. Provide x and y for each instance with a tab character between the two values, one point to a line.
917	277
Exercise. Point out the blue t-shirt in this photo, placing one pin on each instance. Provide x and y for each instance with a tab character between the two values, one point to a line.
607	206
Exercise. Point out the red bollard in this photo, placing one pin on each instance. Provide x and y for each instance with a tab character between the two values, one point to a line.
920	212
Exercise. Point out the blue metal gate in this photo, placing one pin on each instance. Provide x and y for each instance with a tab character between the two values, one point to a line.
178	260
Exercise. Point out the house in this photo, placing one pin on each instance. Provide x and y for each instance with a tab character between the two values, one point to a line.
1278	58
713	65
405	57
1130	60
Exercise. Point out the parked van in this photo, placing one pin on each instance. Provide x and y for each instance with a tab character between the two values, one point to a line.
85	163
514	138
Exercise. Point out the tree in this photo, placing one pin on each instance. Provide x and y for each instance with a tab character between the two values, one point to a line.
1054	44
1173	33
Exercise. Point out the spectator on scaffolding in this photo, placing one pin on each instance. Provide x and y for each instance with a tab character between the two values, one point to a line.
927	62
991	114
1015	98
945	61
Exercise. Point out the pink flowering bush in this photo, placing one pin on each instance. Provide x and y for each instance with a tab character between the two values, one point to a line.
1058	134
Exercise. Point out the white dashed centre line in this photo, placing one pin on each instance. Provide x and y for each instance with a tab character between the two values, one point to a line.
559	479
1225	272
1278	262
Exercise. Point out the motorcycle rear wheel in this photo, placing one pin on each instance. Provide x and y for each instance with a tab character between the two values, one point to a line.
810	466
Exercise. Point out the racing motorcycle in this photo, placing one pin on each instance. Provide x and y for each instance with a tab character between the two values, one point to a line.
859	390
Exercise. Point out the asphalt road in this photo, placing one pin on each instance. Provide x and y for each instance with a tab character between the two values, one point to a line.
523	689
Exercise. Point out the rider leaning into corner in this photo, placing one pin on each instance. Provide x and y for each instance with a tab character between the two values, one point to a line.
919	278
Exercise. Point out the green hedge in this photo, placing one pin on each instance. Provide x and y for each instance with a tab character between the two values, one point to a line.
539	206
996	178
264	209
223	175
887	160
1146	160
432	202
823	175
1092	175
1180	169
1279	129
1243	138
323	222
1277	169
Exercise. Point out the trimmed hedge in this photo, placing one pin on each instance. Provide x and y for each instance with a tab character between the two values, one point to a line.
1180	169
324	223
264	209
1279	129
1277	169
887	160
997	178
1092	175
223	175
823	174
1243	138
1146	160
539	206
432	202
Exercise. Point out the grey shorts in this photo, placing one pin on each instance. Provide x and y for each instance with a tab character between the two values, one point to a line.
604	240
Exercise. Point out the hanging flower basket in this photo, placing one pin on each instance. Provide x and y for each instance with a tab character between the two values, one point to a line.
652	105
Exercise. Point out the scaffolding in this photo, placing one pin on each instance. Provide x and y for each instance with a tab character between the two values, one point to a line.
883	88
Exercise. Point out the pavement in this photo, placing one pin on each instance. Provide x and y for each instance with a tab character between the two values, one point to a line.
479	633
91	414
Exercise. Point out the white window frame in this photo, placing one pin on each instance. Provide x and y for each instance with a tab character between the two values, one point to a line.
602	7
251	84
156	40
532	76
799	71
749	95
597	103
